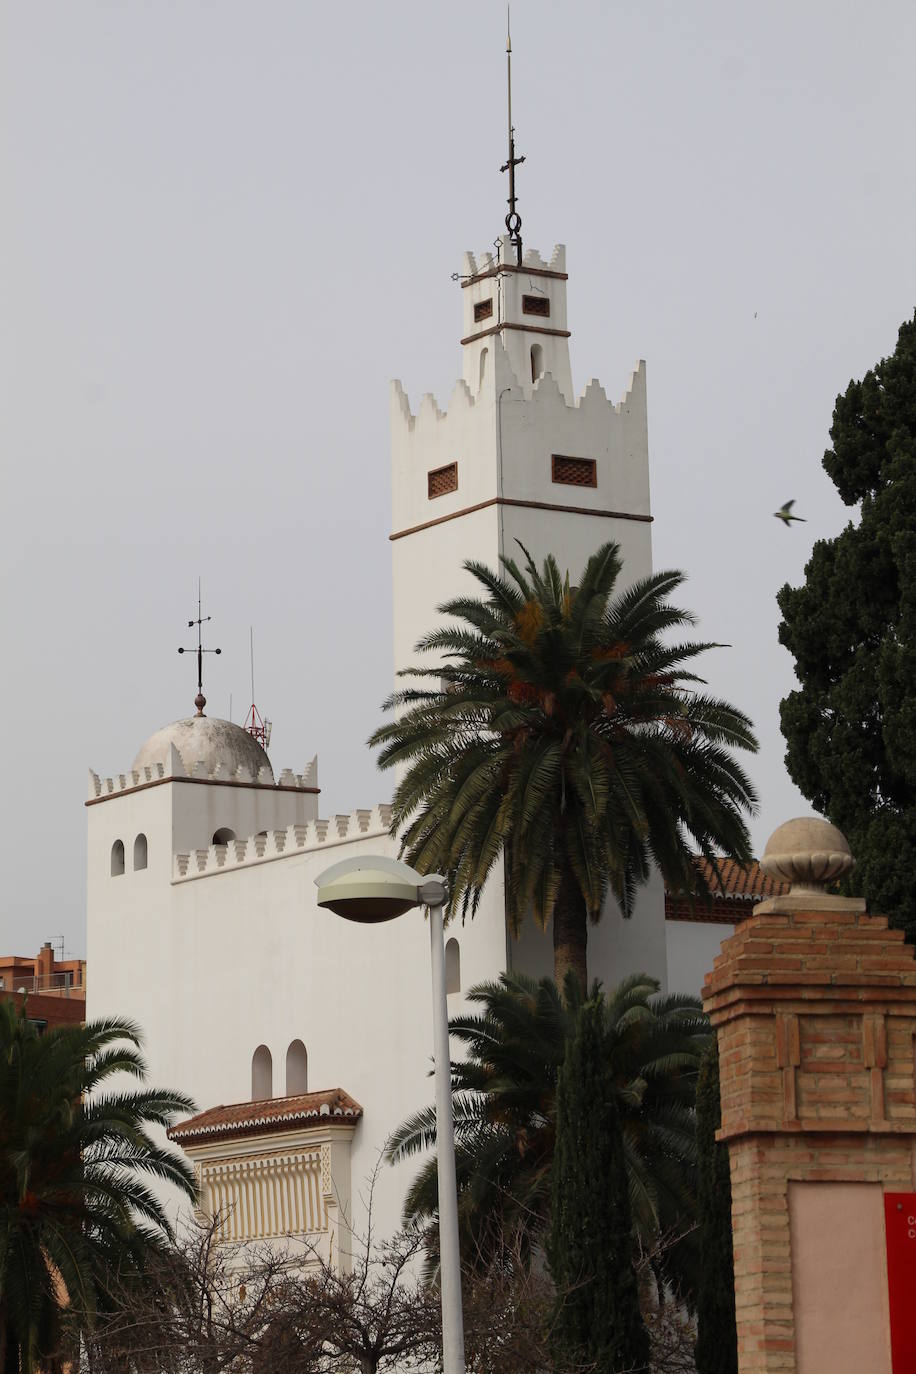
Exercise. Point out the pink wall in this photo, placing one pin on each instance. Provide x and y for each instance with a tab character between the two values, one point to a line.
839	1278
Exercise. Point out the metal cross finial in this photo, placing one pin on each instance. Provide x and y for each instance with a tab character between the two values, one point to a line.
513	219
200	700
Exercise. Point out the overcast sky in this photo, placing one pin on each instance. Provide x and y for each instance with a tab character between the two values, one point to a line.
228	224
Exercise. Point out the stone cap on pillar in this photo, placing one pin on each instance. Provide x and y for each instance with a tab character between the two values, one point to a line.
814	1004
809	853
808	944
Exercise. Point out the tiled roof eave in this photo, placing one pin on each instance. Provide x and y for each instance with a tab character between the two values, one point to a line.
261	1124
306	1111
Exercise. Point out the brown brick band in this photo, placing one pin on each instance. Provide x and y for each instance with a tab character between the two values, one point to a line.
507	324
530	505
200	782
511	267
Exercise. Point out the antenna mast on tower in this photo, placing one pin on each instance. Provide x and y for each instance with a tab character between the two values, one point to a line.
513	219
257	726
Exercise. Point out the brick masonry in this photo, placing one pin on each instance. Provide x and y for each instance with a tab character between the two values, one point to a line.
816	1017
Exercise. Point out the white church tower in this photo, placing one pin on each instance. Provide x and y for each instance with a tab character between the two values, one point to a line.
306	1039
519	458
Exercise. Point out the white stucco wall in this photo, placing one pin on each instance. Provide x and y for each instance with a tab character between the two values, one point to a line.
692	946
616	947
213	965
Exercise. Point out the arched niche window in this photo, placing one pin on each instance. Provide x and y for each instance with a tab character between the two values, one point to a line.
537	362
141	852
452	966
117	858
262	1074
483	366
223	836
297	1069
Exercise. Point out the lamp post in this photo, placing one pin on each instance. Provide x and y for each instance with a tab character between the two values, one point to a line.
371	889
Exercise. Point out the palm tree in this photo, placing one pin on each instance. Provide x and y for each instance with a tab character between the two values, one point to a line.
561	732
74	1203
504	1092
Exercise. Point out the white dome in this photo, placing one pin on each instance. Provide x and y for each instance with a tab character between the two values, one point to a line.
207	740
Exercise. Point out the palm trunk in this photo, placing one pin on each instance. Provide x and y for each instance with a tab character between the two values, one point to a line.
570	934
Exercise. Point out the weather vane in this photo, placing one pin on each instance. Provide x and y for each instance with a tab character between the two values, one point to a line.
200	700
513	219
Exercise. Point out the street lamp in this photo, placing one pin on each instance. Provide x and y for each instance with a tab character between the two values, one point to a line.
371	889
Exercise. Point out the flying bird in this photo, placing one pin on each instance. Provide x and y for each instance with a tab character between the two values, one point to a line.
784	514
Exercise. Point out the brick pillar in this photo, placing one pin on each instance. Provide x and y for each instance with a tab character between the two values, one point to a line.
814	1003
44	965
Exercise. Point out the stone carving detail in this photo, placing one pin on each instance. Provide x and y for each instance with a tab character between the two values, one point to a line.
809	853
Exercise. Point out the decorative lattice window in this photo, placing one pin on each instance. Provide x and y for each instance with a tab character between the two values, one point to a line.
574	472
440	481
535	305
483	310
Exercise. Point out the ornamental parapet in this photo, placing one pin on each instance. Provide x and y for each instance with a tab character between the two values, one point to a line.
268	845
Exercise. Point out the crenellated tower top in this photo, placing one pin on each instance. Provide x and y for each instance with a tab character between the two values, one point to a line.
517	459
525	306
513	294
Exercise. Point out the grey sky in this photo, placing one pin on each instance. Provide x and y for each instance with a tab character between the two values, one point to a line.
228	224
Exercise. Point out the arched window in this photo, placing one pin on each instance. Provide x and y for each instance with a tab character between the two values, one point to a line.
262	1074
452	966
117	858
297	1069
537	362
223	836
483	367
141	852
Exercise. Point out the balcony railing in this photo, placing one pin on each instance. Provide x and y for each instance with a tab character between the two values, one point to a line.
63	984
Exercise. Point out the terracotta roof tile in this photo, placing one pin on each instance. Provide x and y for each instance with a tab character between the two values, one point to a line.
273	1114
734	892
738	880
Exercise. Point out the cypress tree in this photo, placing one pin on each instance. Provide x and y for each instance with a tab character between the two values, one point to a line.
850	727
596	1321
717	1340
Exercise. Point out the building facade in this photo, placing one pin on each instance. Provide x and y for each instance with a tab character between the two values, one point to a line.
202	916
53	990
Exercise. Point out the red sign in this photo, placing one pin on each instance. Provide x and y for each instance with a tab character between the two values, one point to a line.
900	1226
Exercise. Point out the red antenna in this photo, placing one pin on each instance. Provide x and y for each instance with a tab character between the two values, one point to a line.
257	726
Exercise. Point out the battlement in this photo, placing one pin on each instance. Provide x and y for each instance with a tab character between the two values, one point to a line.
544	392
461	402
473	265
100	788
276	844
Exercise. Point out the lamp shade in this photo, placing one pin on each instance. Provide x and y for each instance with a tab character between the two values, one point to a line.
369	889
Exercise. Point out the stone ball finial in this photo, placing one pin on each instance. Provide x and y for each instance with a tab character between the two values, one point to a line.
807	852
